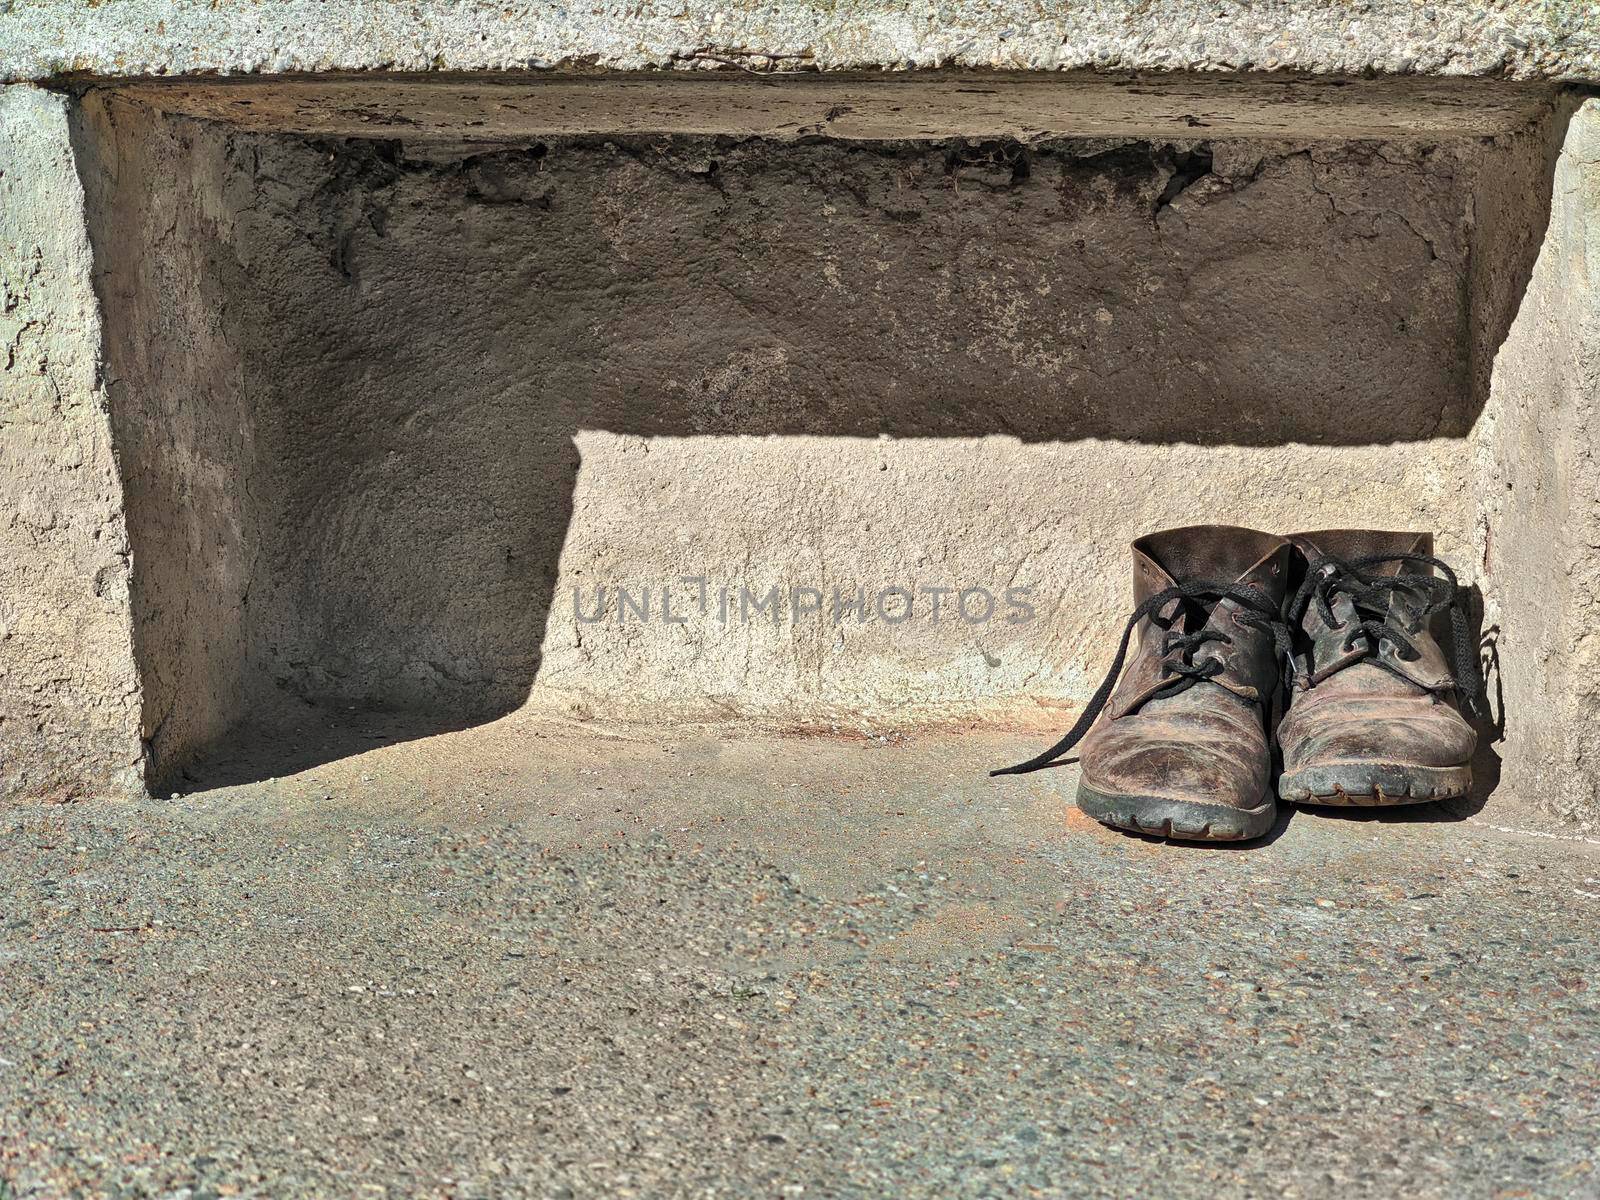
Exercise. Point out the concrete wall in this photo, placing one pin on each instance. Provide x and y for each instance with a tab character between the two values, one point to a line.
159	218
69	694
1539	524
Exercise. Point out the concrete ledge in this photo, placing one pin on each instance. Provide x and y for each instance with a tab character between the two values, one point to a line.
497	108
1516	39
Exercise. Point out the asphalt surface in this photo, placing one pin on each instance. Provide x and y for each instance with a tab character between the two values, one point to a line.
550	961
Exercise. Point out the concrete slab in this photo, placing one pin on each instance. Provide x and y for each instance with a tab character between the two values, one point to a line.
539	959
1553	39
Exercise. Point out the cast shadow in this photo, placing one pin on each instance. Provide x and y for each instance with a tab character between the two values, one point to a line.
301	736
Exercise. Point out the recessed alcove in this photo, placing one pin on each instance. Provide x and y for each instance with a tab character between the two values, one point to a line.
403	371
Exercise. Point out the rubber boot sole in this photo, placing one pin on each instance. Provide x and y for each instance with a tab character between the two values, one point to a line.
1372	785
1180	820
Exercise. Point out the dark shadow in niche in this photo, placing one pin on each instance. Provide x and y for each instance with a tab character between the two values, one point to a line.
296	736
410	338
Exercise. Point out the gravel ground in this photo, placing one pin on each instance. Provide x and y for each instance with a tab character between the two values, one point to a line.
534	960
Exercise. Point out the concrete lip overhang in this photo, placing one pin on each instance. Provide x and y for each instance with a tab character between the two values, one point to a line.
495	107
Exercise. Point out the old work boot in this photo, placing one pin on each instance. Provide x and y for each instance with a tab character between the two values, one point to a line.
1183	747
1373	711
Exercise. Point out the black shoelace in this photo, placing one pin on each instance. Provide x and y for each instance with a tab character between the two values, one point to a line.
1375	618
1180	671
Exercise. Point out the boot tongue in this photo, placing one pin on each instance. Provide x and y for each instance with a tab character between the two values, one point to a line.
1222	553
1216	553
1349	545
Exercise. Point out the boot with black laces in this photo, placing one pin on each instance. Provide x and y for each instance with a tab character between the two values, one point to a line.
1374	712
1182	748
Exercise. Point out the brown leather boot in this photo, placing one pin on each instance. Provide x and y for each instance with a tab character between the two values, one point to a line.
1183	749
1372	715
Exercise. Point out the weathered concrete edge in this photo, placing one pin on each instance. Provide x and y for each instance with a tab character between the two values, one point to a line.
1537	530
69	690
1517	39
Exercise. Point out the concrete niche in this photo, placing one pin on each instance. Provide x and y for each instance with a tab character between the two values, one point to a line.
390	388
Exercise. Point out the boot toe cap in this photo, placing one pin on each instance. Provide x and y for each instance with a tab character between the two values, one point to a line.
1190	765
1408	732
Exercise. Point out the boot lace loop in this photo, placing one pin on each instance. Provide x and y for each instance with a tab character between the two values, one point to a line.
1371	597
1179	670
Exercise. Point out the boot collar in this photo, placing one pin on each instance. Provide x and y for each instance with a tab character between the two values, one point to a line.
1362	543
1222	552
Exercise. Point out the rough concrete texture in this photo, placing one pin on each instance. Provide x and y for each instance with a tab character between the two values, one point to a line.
1537	522
420	407
1557	39
531	960
69	695
183	428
